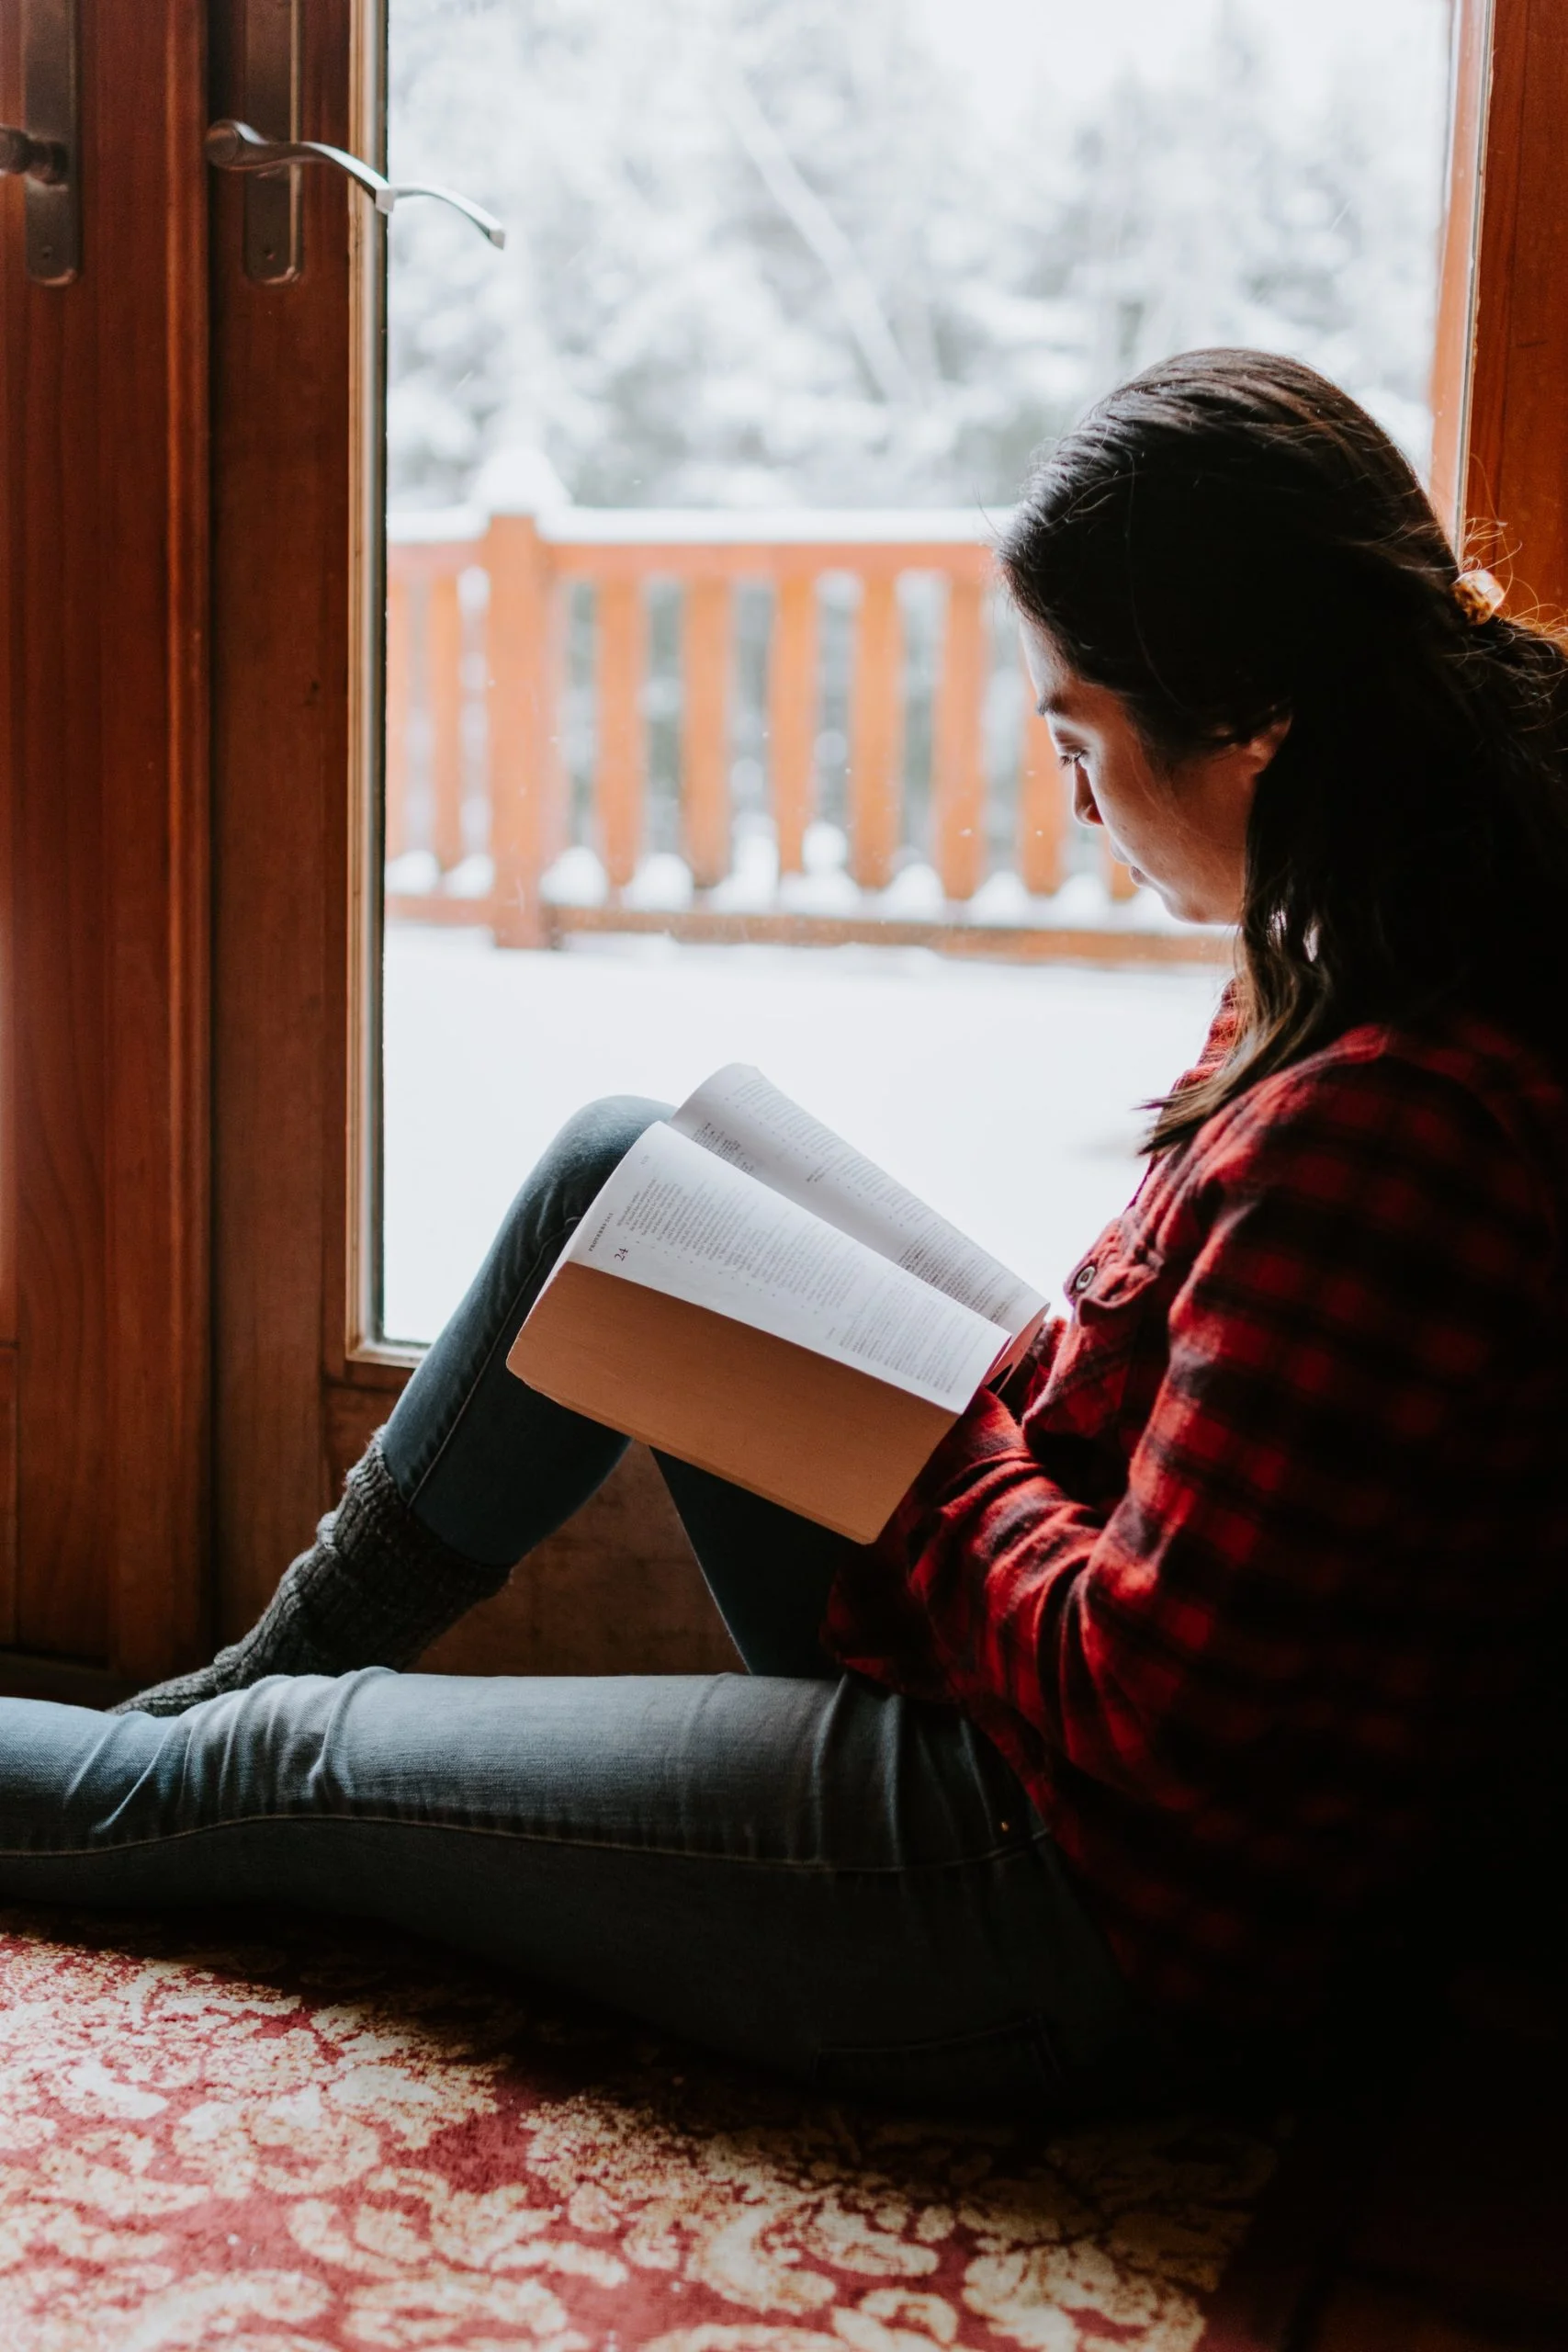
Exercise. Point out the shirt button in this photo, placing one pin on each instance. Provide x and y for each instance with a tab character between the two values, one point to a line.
1083	1278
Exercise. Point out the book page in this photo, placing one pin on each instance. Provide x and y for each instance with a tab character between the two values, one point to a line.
678	1219
741	1117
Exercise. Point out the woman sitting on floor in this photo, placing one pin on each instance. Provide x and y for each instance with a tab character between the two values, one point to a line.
1139	1734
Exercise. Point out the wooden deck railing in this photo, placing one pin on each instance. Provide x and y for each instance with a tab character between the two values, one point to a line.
480	804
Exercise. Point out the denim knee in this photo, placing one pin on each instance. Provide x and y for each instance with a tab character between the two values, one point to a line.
590	1147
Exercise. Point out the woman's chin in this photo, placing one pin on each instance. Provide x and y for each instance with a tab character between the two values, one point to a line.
1179	904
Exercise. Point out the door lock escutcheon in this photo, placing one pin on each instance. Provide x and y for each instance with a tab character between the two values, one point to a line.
46	153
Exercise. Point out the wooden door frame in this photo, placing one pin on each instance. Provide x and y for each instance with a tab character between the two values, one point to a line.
189	706
104	1300
301	1377
290	733
1500	442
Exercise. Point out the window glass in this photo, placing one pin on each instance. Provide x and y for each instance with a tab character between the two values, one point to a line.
706	737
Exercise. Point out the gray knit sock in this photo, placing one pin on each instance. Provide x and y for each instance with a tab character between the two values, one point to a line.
374	1589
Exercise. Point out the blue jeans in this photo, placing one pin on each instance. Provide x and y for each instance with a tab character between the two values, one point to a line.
791	1865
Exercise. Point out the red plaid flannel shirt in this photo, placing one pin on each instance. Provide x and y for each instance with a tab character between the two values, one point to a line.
1246	1575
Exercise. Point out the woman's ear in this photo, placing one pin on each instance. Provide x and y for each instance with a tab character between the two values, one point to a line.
1257	750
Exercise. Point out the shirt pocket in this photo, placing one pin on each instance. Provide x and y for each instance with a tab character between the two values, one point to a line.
1119	1295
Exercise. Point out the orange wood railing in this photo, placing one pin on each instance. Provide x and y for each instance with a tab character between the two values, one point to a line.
477	795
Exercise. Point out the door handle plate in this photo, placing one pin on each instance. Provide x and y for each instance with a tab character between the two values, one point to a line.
272	204
49	76
46	153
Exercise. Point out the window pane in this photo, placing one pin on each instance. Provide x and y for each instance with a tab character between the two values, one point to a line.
707	739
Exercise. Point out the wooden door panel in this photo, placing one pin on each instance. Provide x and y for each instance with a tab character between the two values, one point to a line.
1500	466
103	402
281	442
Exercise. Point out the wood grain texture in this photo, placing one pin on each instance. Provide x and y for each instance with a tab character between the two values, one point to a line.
1103	943
1510	453
158	853
640	559
443	704
959	776
706	654
792	716
399	709
528	795
619	769
283	808
55	797
9	1590
104	390
1452	341
876	736
13	595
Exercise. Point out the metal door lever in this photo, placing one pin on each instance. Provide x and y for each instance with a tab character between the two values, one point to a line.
33	159
234	147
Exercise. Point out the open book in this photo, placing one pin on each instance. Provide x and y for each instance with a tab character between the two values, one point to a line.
751	1294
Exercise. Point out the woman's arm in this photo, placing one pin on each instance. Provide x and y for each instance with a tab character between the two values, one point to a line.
1372	1251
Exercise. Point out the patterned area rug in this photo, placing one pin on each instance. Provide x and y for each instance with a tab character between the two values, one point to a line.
314	2143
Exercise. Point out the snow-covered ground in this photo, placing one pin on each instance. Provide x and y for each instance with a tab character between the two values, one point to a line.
1004	1093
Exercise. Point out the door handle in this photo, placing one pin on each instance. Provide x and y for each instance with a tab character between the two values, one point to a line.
45	154
34	159
233	146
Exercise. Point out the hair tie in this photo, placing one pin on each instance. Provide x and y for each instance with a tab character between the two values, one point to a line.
1479	595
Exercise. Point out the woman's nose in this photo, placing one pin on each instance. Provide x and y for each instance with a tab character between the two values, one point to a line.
1084	809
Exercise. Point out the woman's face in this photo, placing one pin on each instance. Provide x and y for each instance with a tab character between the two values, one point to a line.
1182	830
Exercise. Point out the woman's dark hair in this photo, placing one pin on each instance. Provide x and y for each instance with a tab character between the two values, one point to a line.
1227	540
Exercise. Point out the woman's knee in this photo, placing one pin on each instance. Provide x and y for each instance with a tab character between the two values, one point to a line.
592	1144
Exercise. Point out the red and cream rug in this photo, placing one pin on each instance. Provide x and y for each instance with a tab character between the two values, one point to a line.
297	2141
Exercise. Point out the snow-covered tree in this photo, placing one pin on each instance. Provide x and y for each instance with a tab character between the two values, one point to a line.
763	251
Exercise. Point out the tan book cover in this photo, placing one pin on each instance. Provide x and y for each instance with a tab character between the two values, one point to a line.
836	1444
749	1293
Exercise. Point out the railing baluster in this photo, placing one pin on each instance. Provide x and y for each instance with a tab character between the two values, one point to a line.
707	626
443	685
430	725
1042	806
877	734
395	820
959	771
524	697
619	777
792	714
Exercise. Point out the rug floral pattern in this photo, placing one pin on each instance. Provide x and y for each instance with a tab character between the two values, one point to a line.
298	2144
